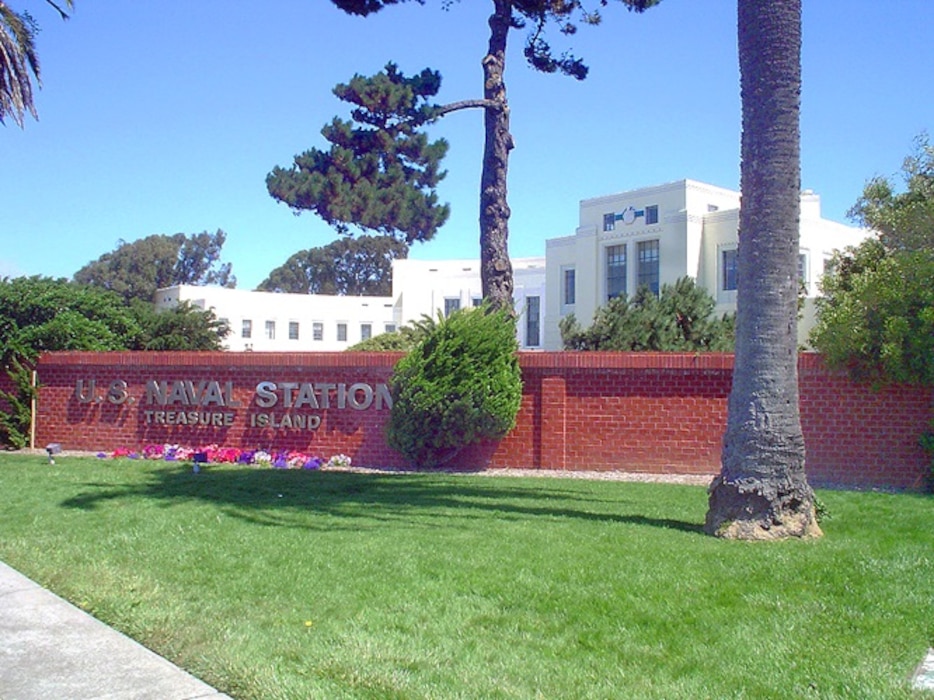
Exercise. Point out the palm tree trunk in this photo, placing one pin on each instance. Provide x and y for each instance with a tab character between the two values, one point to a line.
495	266
762	491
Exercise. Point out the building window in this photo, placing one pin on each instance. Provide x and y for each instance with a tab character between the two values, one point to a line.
803	268
293	330
533	322
317	330
389	328
246	330
270	330
711	208
342	332
648	265
615	271
729	270
366	331
651	214
451	304
476	301
609	221
569	286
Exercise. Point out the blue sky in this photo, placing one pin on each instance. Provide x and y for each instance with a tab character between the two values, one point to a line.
165	117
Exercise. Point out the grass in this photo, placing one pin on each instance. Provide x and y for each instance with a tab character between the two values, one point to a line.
287	584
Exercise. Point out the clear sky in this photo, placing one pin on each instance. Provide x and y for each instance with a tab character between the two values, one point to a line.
165	117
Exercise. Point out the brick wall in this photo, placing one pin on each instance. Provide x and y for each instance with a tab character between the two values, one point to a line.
599	411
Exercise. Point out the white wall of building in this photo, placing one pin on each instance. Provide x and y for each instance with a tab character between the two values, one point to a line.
268	321
278	322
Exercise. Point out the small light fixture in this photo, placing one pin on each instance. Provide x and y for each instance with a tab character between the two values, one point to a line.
53	448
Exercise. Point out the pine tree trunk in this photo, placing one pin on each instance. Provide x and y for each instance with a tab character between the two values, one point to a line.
495	266
762	490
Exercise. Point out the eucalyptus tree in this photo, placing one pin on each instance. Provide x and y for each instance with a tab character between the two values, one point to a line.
762	490
19	62
136	269
506	16
348	266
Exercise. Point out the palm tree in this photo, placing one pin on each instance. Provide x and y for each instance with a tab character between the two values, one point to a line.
19	64
762	491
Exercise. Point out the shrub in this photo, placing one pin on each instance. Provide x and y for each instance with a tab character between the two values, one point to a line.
16	405
401	340
460	385
680	319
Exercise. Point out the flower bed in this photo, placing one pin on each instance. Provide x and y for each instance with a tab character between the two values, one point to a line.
214	454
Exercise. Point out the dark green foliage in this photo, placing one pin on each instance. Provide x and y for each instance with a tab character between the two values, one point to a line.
679	319
380	172
182	327
876	316
44	314
16	405
460	385
347	266
136	270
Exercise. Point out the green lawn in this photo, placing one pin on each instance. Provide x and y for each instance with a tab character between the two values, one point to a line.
289	584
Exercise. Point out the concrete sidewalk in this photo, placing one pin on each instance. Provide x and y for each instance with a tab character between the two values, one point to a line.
49	649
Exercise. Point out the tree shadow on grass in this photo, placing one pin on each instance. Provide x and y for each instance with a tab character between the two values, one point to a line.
287	498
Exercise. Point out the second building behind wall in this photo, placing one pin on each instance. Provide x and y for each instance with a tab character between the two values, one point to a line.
652	236
280	322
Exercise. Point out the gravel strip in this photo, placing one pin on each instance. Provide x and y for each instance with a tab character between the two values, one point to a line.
597	475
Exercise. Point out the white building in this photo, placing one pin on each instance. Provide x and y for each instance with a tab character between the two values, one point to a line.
651	236
654	235
269	321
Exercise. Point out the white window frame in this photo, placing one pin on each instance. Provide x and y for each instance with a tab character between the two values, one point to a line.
606	270
537	322
451	304
565	303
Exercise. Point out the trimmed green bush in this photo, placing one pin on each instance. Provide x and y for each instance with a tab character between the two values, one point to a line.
401	340
460	385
